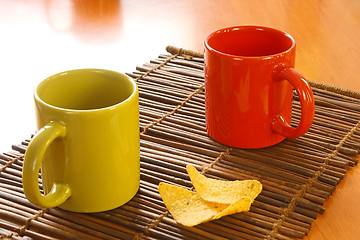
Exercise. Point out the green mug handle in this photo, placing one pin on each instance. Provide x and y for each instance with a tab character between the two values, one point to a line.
31	167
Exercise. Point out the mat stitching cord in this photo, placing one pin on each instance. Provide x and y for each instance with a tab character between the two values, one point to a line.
305	187
2	169
177	108
218	159
26	226
154	222
10	235
9	163
160	65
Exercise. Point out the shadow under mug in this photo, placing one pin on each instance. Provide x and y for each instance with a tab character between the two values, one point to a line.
249	82
88	145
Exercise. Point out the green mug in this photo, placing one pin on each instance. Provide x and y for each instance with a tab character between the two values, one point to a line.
88	145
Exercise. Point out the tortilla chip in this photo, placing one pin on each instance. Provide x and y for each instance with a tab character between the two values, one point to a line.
187	207
213	198
242	205
225	192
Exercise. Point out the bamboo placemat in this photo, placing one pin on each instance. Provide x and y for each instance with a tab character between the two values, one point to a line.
298	175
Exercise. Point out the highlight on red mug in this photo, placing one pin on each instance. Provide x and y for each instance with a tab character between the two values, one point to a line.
249	83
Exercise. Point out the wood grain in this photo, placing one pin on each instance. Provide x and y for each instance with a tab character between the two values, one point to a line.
42	37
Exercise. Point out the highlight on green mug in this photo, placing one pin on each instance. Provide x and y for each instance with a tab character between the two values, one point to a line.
88	143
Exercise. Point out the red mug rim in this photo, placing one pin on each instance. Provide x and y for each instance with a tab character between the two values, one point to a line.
237	28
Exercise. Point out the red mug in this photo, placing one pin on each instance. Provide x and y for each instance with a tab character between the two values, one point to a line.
249	82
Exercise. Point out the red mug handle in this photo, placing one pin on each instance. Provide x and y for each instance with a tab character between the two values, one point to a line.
307	102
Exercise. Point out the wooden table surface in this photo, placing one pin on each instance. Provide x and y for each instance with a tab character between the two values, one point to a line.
43	37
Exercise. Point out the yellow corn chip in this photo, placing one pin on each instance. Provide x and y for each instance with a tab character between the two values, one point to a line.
213	198
242	205
187	207
225	192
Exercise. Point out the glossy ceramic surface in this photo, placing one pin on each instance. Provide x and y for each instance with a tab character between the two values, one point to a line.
249	79
88	142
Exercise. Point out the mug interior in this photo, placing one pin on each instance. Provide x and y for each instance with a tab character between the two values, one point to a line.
85	89
249	41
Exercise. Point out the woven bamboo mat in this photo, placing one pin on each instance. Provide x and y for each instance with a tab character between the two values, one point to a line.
298	175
